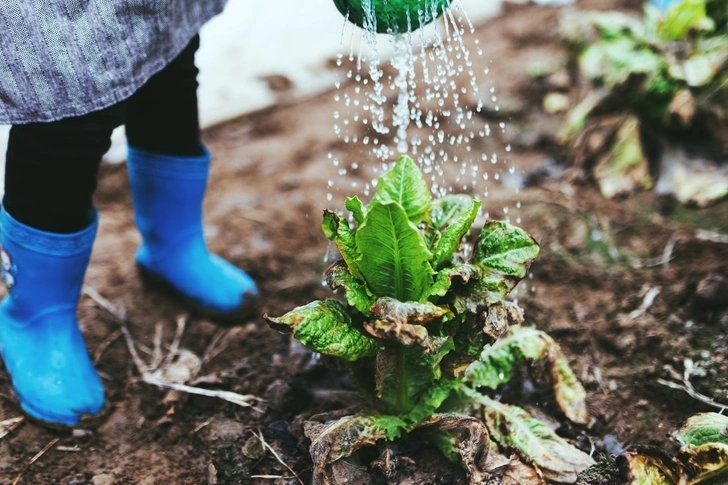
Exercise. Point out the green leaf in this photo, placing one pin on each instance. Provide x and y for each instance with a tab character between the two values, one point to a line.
448	209
394	261
356	292
505	249
683	17
430	401
522	345
406	186
485	288
337	229
406	375
703	428
615	61
512	426
453	235
356	207
613	25
326	327
446	277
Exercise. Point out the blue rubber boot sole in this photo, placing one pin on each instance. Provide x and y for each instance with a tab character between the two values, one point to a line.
40	341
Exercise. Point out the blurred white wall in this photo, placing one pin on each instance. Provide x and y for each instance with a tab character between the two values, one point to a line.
253	39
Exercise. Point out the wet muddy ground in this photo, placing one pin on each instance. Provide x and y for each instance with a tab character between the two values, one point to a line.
630	288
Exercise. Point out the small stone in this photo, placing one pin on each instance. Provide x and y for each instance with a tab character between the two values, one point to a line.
253	448
225	430
556	103
278	394
713	290
559	80
82	433
103	479
343	472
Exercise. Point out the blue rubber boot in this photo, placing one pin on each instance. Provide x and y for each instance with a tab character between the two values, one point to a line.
664	5
167	192
40	342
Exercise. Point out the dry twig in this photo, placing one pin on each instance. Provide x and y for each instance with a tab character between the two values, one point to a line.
157	352
232	397
687	386
143	369
113	336
666	254
276	455
715	237
9	425
178	334
34	459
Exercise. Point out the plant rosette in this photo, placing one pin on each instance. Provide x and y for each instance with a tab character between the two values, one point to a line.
421	308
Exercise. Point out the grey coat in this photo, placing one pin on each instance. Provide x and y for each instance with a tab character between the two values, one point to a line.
63	58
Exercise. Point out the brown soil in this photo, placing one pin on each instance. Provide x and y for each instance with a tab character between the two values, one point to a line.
263	211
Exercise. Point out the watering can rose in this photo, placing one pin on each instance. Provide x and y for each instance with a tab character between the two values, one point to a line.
391	16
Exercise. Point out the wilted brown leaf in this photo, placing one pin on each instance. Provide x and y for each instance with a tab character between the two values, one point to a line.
558	460
706	463
683	107
649	465
473	441
337	439
511	470
625	167
497	319
402	321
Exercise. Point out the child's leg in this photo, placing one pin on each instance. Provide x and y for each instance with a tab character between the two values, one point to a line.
51	169
162	117
48	226
168	170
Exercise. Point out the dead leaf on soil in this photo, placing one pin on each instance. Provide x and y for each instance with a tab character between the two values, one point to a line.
8	425
624	169
511	470
705	463
691	180
558	460
496	366
337	439
683	107
473	441
649	465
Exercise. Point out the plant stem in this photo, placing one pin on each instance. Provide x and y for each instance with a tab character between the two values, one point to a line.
402	393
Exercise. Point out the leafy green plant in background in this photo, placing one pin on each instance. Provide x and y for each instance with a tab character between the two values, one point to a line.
665	66
419	333
642	82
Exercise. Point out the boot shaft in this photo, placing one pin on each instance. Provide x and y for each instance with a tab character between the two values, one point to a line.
42	270
167	193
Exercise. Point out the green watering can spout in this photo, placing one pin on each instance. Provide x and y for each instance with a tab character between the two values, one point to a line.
391	16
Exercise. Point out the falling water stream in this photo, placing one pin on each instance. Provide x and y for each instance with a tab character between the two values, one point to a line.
425	102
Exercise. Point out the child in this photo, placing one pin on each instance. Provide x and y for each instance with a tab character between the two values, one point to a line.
71	72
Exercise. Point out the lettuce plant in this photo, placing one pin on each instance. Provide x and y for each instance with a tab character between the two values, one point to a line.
420	307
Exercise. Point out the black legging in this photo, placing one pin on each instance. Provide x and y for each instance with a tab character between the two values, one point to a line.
51	168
